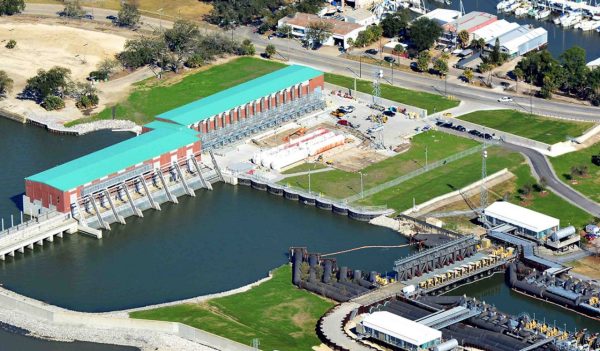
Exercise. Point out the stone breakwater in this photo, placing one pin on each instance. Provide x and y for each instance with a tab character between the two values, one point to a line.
84	128
29	316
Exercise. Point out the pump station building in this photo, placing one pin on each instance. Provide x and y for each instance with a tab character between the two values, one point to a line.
168	150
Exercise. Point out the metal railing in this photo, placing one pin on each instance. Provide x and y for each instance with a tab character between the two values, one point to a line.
21	230
417	172
30	223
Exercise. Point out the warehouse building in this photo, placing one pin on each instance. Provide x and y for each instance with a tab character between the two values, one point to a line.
443	16
524	221
494	30
169	148
520	41
398	331
341	30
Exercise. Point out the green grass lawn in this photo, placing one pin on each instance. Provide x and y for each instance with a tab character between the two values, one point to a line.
341	184
280	315
428	101
588	185
546	130
152	97
463	172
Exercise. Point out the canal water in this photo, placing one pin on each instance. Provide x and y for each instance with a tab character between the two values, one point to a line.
495	291
559	39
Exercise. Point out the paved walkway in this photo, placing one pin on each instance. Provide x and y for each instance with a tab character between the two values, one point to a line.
332	328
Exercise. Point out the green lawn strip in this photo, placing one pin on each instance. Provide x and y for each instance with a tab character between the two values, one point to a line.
341	184
305	167
151	97
546	130
280	315
589	185
428	101
442	180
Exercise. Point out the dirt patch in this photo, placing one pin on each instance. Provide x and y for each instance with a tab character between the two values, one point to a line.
587	266
43	46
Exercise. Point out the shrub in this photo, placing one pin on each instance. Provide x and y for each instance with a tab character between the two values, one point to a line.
52	103
195	61
11	44
87	101
98	75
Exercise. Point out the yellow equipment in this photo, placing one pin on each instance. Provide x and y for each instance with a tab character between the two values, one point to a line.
594	300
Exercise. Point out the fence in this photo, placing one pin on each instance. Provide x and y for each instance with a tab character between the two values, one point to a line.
31	223
417	172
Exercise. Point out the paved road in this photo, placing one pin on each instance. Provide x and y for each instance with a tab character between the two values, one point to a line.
542	168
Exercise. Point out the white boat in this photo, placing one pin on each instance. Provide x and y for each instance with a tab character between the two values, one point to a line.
571	19
503	4
589	25
522	11
543	14
512	7
558	20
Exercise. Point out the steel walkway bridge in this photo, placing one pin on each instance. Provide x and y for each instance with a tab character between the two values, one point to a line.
444	318
262	121
435	258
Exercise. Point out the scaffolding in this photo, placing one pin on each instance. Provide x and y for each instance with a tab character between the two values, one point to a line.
271	118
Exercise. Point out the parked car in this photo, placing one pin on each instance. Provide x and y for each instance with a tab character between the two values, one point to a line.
460	128
389	59
371	52
346	109
487	136
505	99
447	125
374	129
343	122
475	132
88	16
111	17
389	113
426	128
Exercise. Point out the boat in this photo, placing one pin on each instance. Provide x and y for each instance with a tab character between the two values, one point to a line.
571	19
532	12
447	2
504	4
512	7
523	10
558	20
589	25
543	14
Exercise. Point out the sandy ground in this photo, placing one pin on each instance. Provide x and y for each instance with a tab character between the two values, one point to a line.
43	46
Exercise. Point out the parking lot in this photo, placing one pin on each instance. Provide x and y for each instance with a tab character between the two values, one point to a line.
390	130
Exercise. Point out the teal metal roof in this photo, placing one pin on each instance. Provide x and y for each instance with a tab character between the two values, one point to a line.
163	138
241	94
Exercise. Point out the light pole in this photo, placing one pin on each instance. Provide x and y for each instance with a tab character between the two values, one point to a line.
426	157
362	190
355	75
360	66
160	11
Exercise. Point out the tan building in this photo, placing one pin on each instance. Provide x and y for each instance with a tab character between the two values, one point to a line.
341	30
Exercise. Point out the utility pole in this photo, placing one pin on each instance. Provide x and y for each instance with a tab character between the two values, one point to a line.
362	193
484	194
360	66
446	84
426	158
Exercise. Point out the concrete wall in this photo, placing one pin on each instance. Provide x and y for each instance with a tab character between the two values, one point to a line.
451	197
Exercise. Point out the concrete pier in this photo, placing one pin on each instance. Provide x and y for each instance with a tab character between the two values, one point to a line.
34	232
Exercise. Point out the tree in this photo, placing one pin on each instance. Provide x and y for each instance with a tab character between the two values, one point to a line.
398	50
441	65
485	67
6	84
248	48
73	9
573	62
526	189
423	60
368	36
478	44
11	7
394	23
350	43
468	74
424	32
317	32
53	82
464	37
519	75
86	95
142	51
181	40
285	31
270	50
11	44
52	102
129	14
548	86
107	66
495	57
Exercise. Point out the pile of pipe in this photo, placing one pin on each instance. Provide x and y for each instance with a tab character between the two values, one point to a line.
298	149
324	278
